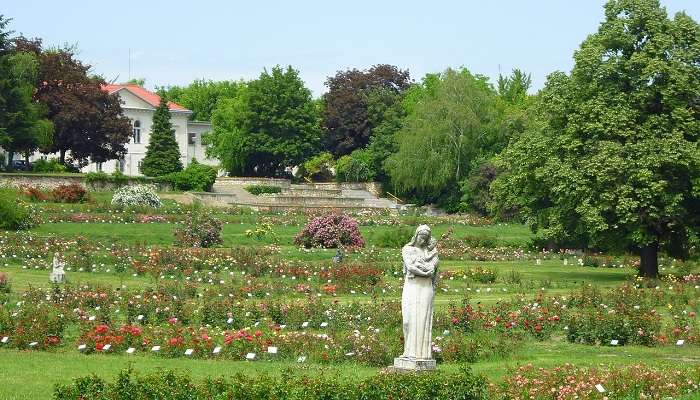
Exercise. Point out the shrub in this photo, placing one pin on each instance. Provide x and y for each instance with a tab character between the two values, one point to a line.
200	229
480	241
136	196
394	238
34	194
196	176
70	193
355	167
4	283
332	230
15	214
97	179
319	167
462	384
482	275
51	165
263	189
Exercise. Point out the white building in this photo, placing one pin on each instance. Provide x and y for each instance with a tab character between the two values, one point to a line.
139	105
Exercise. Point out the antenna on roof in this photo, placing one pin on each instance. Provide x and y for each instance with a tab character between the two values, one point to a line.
114	80
129	63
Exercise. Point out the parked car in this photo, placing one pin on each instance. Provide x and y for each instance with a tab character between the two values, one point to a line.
20	165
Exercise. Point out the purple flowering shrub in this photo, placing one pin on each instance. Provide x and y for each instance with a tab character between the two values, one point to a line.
332	230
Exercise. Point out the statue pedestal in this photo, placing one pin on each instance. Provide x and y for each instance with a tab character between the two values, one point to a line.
413	364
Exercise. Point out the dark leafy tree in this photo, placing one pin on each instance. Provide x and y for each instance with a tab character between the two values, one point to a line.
88	122
162	152
612	160
347	116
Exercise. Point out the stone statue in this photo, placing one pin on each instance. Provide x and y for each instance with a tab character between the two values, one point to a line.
420	262
57	274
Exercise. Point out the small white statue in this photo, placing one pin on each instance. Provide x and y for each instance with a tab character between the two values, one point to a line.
57	274
420	262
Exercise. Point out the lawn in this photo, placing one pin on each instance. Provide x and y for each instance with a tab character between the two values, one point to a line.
107	256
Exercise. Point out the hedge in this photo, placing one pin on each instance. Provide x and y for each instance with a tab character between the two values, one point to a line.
172	385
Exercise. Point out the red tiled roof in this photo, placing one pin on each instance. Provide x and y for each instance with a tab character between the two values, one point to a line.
145	95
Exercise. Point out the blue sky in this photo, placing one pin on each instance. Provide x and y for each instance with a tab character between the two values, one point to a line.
176	42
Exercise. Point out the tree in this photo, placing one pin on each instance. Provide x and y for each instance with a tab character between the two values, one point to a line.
23	127
347	118
162	152
202	97
612	160
446	130
271	125
88	122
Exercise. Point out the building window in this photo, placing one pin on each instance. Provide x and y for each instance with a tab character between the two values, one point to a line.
137	131
120	165
98	166
191	137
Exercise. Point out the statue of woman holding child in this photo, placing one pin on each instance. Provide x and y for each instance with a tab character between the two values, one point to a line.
420	261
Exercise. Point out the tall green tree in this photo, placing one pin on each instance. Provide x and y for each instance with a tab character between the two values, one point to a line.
162	152
348	117
613	158
449	127
23	128
271	125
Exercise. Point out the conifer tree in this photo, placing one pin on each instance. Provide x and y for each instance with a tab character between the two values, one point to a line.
162	153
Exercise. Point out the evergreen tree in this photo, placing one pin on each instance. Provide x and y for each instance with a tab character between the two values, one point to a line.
162	152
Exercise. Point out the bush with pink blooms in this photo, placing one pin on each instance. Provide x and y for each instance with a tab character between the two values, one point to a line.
332	230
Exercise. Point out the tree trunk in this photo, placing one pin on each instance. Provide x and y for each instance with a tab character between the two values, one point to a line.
649	267
62	157
10	156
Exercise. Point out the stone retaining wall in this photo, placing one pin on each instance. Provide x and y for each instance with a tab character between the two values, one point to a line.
50	181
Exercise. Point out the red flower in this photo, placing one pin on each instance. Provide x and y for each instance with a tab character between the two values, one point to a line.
101	328
258	333
173	342
455	320
172	320
99	346
538	328
691	314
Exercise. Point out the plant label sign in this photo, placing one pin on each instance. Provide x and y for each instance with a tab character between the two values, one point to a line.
305	324
301	359
5	339
130	350
82	347
189	352
614	342
324	324
140	317
680	342
216	350
600	388
250	356
229	321
155	348
271	350
106	347
32	344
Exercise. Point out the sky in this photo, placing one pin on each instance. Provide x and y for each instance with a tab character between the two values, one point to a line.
174	42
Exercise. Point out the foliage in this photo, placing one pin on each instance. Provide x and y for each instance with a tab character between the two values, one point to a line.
271	125
70	193
5	286
202	96
476	188
34	194
358	166
263	189
23	127
197	177
116	178
612	160
393	238
332	230
348	117
263	231
452	122
76	104
14	213
136	196
162	153
48	166
200	229
319	167
462	384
